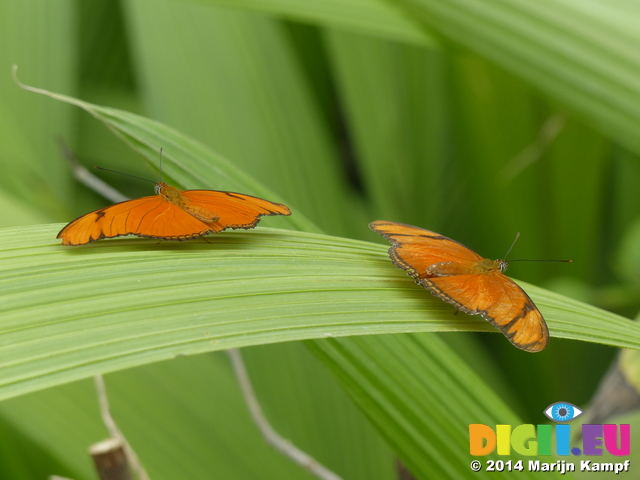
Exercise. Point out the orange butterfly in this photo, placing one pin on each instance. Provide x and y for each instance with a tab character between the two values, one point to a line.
171	215
472	284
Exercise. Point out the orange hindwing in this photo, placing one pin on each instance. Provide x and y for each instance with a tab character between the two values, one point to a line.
171	215
469	282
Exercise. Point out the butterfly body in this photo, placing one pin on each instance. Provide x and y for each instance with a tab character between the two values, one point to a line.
172	214
173	195
471	283
485	265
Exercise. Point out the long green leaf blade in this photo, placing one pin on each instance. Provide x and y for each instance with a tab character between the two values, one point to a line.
374	17
69	313
422	398
583	54
188	162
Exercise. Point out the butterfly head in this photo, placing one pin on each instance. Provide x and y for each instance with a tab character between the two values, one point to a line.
159	187
501	265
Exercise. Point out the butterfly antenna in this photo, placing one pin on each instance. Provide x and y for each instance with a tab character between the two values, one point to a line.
511	247
160	164
126	174
540	260
531	260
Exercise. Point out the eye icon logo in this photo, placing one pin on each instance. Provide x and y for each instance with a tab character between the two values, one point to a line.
562	412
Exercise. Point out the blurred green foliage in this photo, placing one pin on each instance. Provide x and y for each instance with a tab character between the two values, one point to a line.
474	119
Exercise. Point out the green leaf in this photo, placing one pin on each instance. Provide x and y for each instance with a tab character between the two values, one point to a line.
189	163
248	97
582	54
453	122
399	143
374	17
422	397
40	36
199	402
69	313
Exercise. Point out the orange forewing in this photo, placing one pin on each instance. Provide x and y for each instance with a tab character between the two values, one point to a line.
471	283
235	210
171	215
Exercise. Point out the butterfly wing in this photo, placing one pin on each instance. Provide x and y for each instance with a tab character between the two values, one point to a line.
499	300
490	294
415	249
235	210
145	217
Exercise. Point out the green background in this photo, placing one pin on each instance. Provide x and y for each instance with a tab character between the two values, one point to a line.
476	119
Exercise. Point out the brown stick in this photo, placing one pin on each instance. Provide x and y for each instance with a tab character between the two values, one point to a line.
110	460
115	432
